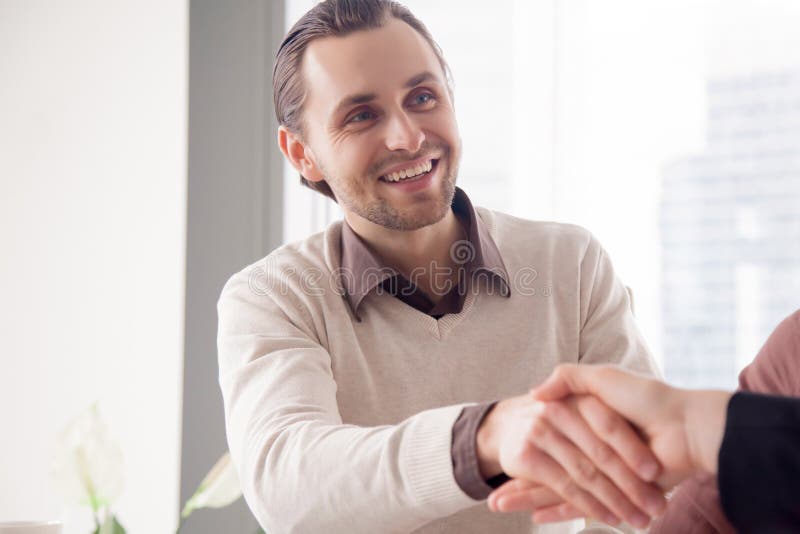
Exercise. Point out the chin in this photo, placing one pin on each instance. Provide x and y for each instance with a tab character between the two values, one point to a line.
428	211
423	218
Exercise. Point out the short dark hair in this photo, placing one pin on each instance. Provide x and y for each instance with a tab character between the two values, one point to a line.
326	19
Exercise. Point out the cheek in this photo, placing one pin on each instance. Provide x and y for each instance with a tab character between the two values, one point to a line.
444	126
357	158
360	152
452	127
350	159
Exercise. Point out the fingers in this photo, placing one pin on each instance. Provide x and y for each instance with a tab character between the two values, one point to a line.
514	485
550	473
564	381
555	514
619	435
524	501
616	449
633	395
652	406
521	495
567	427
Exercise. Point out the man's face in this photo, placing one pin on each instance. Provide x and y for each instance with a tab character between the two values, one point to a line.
377	107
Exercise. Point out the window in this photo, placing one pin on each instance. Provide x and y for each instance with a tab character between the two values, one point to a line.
670	129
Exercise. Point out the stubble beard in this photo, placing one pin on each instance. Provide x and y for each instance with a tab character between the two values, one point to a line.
381	212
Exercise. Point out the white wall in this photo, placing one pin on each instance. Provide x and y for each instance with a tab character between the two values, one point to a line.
92	233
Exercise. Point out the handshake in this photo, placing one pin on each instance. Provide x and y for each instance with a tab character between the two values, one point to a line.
600	442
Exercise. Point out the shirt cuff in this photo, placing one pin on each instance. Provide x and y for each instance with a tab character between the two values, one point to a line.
466	469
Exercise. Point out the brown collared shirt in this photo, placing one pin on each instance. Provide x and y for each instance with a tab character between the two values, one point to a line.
364	272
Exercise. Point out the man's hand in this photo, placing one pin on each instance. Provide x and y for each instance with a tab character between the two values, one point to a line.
682	428
553	446
519	495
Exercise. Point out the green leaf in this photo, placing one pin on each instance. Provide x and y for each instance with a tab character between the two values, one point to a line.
110	526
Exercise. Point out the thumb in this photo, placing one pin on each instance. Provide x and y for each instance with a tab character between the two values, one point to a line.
566	380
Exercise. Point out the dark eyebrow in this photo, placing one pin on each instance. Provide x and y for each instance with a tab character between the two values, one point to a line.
363	98
419	78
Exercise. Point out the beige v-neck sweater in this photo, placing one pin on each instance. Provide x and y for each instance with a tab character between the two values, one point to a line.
339	426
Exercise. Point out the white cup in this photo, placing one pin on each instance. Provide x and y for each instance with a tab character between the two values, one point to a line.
30	527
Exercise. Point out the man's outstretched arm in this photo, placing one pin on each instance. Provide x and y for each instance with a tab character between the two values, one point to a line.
555	446
302	468
607	333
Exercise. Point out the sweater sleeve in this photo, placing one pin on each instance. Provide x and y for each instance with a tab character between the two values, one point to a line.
608	330
301	468
759	463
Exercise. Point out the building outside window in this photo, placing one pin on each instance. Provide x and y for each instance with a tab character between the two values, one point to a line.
670	129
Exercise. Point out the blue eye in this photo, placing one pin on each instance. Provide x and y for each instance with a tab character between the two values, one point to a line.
361	117
423	98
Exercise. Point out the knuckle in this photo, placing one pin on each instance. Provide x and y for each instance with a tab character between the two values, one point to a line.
518	451
586	472
553	410
568	489
607	423
603	454
560	375
587	404
539	430
638	492
526	455
560	371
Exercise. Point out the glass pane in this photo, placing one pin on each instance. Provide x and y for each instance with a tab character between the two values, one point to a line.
670	129
678	144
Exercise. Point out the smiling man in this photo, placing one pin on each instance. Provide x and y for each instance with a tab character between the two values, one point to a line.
375	375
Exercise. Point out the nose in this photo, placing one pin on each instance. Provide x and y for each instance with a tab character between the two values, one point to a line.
403	133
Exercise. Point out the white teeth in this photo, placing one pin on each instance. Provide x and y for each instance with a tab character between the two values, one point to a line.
410	172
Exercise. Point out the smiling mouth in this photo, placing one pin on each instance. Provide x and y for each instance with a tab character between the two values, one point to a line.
412	173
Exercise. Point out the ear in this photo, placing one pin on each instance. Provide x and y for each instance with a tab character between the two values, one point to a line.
299	154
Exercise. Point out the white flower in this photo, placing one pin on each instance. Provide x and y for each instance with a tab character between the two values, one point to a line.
88	462
219	488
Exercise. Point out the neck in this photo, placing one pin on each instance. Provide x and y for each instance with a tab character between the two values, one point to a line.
406	250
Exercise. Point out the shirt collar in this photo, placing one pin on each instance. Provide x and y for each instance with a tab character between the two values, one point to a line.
362	269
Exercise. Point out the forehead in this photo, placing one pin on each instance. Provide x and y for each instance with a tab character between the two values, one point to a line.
370	61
